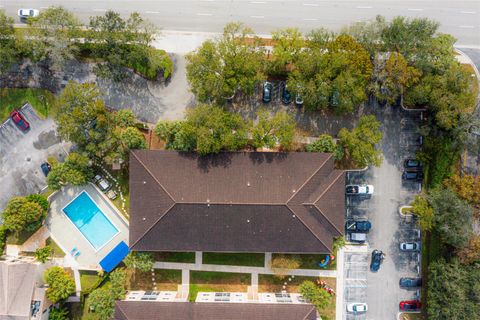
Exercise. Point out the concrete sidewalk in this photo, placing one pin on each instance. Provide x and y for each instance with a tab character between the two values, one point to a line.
242	269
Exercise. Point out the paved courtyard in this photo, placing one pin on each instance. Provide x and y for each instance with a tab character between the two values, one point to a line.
68	236
21	154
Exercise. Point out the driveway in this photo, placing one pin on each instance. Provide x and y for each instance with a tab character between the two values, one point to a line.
382	292
22	153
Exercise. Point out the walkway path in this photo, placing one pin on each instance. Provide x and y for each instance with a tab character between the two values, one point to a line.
242	269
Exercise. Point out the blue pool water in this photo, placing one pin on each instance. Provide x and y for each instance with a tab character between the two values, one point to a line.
90	220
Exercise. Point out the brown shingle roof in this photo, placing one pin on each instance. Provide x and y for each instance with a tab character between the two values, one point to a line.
147	310
235	202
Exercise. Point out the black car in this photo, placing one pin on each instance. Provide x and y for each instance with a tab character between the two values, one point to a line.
362	225
286	96
412	165
267	92
45	168
412	175
377	258
410	282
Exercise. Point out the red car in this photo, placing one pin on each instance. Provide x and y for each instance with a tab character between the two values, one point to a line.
410	305
19	120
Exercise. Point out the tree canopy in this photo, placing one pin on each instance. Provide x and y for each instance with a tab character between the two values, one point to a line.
319	297
422	209
76	170
22	213
142	261
8	49
359	143
270	130
287	45
325	143
60	284
220	68
102	300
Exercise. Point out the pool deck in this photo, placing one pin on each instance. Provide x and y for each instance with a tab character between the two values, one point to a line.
67	236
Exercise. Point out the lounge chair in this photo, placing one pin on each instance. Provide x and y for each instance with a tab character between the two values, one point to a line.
76	254
73	250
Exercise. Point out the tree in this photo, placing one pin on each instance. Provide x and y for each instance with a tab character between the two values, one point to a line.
142	261
60	284
287	45
8	50
40	199
220	68
359	143
319	297
466	186
119	42
452	217
282	264
43	254
422	209
75	170
132	138
124	118
102	300
84	120
325	143
22	214
394	79
52	36
270	130
338	243
368	34
471	252
58	314
451	291
178	135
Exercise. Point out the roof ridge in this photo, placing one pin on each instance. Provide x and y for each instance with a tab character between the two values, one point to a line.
121	310
310	178
313	308
321	195
152	175
306	225
235	203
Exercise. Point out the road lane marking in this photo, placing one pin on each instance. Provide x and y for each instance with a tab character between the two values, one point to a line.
364	7
467	27
44	7
152	12
310	19
257	17
311	4
257	2
468	12
99	10
204	14
415	9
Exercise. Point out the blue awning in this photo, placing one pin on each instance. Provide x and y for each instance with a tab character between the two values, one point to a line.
115	256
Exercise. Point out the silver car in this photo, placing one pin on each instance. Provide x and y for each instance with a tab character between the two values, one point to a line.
410	246
28	13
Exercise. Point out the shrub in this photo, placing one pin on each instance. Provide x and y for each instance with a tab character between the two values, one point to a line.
60	284
317	296
41	200
43	254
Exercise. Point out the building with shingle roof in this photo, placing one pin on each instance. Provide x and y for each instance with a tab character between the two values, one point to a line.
235	202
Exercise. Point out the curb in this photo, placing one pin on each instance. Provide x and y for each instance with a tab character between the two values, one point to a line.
403	215
356	170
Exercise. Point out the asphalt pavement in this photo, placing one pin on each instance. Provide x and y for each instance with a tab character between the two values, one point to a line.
459	18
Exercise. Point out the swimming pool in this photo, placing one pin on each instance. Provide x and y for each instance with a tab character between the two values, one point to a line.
90	220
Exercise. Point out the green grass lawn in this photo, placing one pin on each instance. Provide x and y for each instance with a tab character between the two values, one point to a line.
201	281
234	259
57	251
89	280
20	237
43	101
310	261
183	257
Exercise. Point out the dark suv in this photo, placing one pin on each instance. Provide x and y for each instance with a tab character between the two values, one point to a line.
410	282
412	175
267	92
362	225
412	165
377	258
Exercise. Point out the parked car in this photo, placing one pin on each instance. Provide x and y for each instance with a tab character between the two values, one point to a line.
267	92
412	165
28	13
97	178
412	175
46	167
410	305
377	258
360	189
19	120
357	307
104	185
358	237
299	97
410	246
354	225
286	95
410	282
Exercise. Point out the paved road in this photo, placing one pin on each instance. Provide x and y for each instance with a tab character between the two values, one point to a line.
459	18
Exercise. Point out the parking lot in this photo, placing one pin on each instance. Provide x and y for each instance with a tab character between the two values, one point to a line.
381	290
21	154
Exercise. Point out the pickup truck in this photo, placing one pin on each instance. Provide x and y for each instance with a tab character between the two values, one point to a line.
359	189
362	226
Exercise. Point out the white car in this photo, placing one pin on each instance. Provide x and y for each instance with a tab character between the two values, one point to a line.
28	13
359	189
357	307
